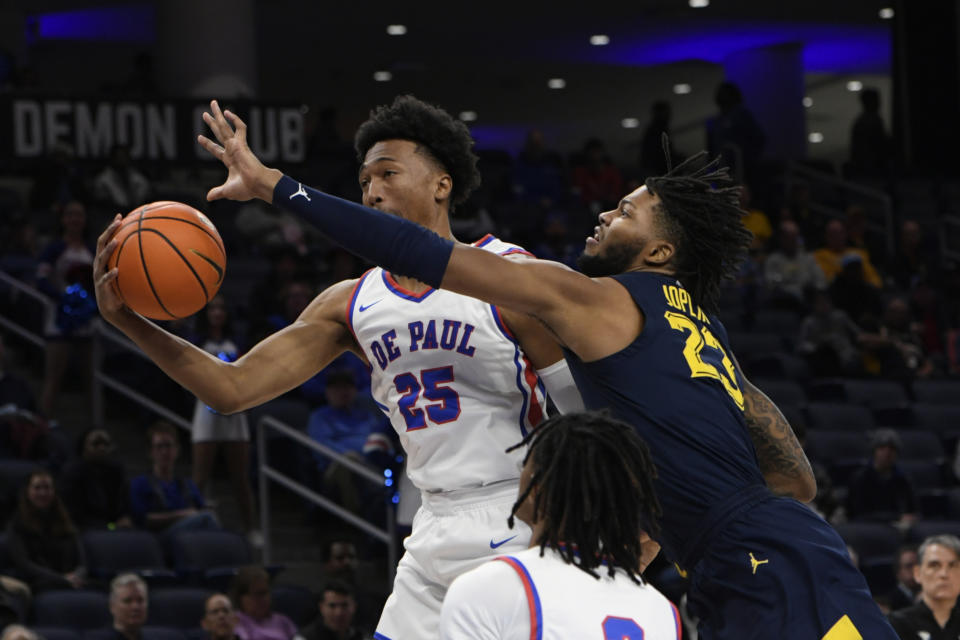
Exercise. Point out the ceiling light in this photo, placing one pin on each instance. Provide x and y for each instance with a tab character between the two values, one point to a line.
854	85
630	123
382	76
808	102
468	116
815	137
886	13
699	4
599	40
397	29
682	89
556	83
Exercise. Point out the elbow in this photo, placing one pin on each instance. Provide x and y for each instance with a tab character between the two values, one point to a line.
806	489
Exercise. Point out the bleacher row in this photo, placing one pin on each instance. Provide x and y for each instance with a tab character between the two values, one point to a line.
180	578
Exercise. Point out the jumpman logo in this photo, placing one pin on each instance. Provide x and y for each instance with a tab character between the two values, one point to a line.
300	192
754	563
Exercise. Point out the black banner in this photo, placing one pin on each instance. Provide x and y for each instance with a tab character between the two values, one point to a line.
153	130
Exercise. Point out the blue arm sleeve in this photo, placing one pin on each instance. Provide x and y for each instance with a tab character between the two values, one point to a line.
398	245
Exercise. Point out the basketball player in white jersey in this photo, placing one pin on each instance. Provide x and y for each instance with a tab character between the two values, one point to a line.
587	492
460	380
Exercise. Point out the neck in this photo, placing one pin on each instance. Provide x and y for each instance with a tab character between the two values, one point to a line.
941	608
539	532
164	473
132	633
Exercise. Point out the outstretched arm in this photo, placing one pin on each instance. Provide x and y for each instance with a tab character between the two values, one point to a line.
277	364
562	298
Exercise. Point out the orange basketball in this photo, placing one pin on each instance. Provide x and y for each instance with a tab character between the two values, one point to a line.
170	260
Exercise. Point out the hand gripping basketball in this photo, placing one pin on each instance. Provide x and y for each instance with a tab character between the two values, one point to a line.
108	300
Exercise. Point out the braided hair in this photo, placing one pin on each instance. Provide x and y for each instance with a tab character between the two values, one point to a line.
699	212
594	491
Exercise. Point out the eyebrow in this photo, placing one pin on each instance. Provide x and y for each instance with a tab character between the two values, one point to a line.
366	165
623	202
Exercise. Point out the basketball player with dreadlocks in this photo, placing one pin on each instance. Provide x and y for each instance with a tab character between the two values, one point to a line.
642	339
580	576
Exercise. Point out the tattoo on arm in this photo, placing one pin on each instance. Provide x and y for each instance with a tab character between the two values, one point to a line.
778	451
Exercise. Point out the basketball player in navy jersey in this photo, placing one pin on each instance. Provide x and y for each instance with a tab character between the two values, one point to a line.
460	380
642	338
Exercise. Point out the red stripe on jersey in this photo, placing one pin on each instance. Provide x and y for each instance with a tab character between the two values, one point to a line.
676	617
535	414
528	588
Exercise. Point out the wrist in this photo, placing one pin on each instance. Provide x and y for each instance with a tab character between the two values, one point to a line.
268	182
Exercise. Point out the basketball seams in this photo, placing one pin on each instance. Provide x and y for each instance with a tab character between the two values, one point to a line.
215	237
182	257
146	272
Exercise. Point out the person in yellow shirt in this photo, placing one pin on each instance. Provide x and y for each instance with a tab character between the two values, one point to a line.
830	258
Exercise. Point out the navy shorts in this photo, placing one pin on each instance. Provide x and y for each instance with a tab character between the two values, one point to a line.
778	570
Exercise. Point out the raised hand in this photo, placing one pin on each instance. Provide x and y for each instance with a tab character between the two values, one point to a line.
247	177
108	300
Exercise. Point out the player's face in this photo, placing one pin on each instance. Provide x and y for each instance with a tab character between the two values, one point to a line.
396	178
625	238
939	573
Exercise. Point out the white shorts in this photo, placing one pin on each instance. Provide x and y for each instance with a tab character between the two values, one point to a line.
452	533
208	426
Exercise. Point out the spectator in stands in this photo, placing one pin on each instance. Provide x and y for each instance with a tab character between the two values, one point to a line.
831	257
17	632
914	261
790	271
44	544
652	160
286	264
829	338
20	253
212	432
858	236
734	132
120	187
341	564
870	146
755	220
345	425
335	622
94	486
538	173
851	292
256	620
908	589
797	208
219	618
161	500
14	390
15	598
825	503
936	615
128	606
555	242
596	178
897	346
65	272
881	491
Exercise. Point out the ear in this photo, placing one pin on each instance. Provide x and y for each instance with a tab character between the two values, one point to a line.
660	253
916	572
443	188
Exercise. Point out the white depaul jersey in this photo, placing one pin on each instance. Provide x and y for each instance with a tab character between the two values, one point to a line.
526	597
454	382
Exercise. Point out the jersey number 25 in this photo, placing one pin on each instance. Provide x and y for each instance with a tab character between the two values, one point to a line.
445	402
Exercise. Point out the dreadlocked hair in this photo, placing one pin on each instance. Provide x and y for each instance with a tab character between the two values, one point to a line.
699	211
437	134
594	491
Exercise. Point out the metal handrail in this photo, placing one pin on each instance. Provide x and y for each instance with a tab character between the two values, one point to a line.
886	202
387	535
30	292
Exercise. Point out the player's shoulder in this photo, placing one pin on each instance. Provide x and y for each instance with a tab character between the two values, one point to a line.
493	573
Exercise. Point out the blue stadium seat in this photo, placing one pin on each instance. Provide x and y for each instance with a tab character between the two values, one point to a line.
921	445
197	554
782	392
177	607
876	393
829	415
937	391
923	529
296	602
874	541
827	390
924	475
80	610
56	633
953	503
776	365
112	552
785	323
830	447
941	419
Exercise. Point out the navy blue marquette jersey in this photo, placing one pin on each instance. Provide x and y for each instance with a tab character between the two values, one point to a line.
759	566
